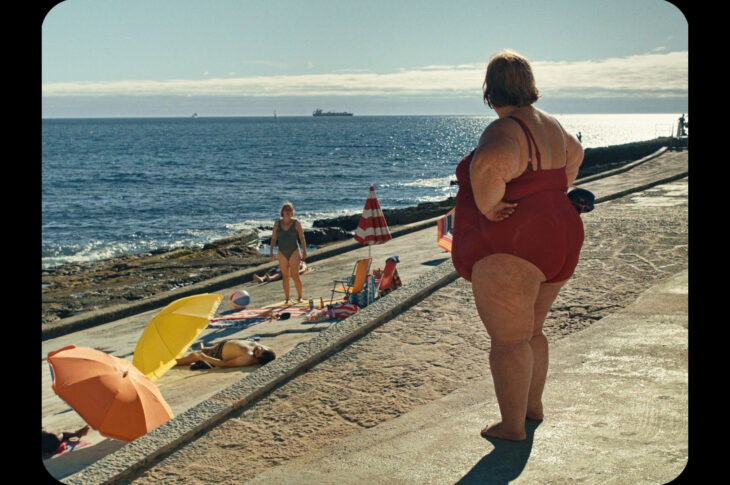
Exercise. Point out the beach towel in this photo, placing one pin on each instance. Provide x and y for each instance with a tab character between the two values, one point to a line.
339	311
65	447
253	316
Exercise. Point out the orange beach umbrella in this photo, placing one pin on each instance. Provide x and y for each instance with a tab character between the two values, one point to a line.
109	393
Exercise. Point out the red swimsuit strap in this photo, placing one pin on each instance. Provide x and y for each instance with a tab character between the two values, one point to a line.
529	147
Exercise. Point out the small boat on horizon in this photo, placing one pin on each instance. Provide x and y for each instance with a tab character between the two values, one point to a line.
319	112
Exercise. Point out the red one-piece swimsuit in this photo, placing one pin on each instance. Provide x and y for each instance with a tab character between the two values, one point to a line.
545	229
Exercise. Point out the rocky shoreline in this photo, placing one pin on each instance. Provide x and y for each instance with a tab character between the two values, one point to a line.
74	288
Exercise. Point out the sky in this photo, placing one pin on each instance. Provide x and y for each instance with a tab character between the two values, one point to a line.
141	58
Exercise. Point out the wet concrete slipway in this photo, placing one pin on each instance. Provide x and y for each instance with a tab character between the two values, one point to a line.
619	368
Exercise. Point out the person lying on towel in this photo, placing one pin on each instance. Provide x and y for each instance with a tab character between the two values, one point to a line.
54	442
228	353
274	274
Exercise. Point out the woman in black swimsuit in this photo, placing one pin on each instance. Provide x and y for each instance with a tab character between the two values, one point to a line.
287	231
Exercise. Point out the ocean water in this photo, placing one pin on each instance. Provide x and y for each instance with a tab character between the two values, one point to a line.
130	185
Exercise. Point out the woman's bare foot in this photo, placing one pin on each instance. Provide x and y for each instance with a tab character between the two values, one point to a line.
498	430
258	278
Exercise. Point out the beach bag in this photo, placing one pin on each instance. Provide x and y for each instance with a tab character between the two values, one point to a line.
396	282
362	298
583	200
344	310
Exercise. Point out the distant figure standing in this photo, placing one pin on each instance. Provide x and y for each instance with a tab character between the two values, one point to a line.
580	138
681	125
287	231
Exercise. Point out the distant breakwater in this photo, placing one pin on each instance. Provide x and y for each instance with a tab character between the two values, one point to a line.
596	160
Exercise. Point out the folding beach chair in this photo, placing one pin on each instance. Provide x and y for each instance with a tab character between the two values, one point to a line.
355	283
386	280
445	231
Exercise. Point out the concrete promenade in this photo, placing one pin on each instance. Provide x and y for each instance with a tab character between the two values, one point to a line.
618	390
424	269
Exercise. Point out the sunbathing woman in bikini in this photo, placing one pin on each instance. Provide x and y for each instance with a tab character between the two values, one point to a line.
275	273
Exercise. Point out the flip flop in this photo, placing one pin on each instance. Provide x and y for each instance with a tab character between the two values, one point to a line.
201	364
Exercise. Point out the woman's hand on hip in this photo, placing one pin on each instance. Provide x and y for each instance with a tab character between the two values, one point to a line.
501	211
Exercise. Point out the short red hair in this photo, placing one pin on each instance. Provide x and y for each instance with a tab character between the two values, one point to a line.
509	81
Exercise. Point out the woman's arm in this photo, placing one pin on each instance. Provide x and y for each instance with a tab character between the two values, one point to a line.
272	243
574	157
494	163
302	240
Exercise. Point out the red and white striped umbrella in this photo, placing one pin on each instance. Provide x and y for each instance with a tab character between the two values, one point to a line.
372	229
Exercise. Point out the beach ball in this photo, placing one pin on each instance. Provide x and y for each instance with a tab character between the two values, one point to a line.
240	299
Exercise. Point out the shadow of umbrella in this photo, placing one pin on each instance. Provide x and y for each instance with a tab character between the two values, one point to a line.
505	463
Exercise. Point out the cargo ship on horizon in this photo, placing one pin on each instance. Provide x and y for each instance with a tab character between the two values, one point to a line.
319	112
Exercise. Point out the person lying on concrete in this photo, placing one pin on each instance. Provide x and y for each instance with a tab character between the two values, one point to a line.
275	273
51	442
228	353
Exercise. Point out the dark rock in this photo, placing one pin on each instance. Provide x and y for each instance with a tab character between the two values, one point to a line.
245	238
319	236
394	217
599	159
326	234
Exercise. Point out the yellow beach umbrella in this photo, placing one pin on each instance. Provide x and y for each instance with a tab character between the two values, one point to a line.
172	331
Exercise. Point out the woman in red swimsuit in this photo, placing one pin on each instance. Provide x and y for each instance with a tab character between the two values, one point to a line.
521	255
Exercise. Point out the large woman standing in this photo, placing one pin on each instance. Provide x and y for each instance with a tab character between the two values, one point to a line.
517	236
287	234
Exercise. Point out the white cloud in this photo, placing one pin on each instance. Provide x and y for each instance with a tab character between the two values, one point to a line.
640	75
657	74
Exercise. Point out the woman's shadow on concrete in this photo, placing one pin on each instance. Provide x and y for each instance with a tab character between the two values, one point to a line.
505	463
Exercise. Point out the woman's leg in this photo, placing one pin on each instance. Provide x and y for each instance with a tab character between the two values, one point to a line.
294	263
79	433
539	345
284	264
505	291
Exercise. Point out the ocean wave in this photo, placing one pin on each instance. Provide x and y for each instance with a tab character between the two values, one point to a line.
432	182
92	251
